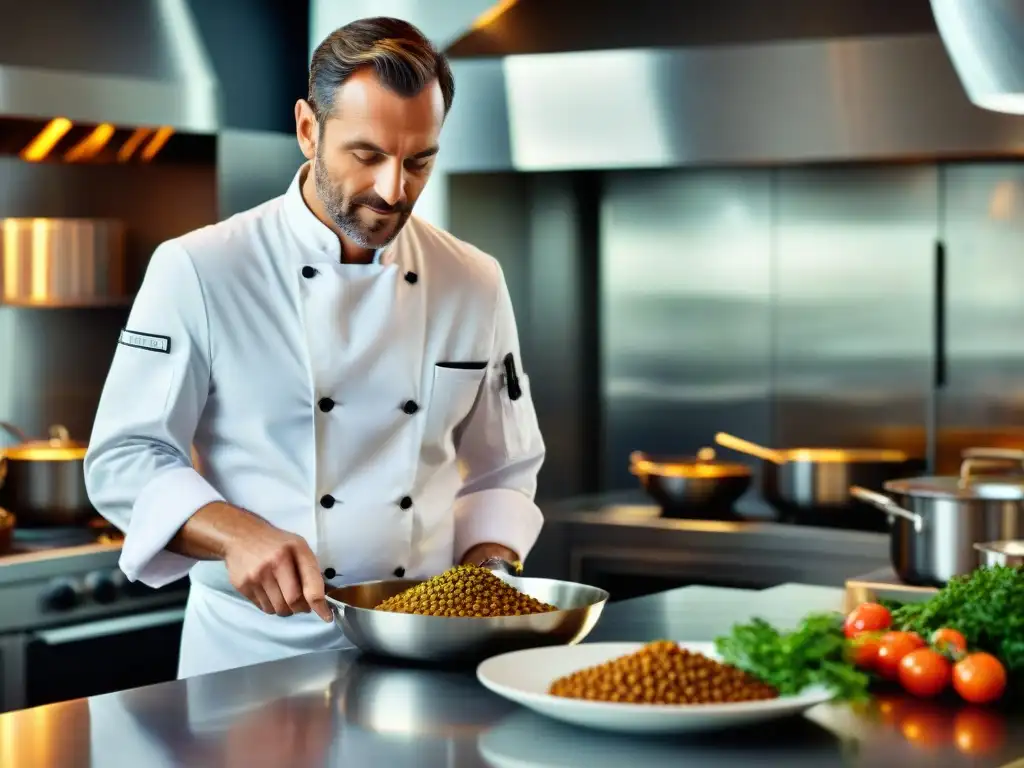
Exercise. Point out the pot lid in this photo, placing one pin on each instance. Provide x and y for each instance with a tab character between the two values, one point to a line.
844	455
994	488
60	447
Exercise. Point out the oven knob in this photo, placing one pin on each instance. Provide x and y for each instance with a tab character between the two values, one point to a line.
61	595
102	587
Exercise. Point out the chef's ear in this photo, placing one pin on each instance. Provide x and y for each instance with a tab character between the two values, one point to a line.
306	128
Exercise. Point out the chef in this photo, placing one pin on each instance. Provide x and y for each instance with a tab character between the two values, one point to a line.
347	376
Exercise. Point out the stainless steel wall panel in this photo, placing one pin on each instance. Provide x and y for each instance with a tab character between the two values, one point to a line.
983	229
253	167
685	260
854	304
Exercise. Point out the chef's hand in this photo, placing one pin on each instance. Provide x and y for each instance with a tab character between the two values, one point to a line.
274	569
481	552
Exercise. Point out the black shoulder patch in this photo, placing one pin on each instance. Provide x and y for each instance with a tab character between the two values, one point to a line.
151	341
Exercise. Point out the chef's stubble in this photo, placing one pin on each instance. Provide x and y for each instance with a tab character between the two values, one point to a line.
343	212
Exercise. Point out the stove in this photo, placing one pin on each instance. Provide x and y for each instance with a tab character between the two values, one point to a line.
54	539
68	613
883	584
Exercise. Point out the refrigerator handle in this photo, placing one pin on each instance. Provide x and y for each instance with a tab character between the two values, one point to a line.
941	370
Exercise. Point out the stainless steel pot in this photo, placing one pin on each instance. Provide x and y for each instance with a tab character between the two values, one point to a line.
811	485
43	481
935	522
994	553
691	486
62	262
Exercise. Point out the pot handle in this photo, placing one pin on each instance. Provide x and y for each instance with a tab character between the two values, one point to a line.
887	505
59	435
14	432
974	458
638	462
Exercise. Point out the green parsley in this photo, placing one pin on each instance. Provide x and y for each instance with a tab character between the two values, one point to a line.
815	653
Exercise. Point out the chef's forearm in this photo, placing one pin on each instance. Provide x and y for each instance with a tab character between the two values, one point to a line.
208	533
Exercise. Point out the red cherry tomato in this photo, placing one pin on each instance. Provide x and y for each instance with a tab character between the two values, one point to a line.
867	617
947	639
893	646
979	678
924	673
863	650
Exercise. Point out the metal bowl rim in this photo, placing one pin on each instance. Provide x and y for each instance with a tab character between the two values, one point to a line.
475	619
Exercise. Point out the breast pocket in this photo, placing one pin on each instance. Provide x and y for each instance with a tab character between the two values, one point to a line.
455	389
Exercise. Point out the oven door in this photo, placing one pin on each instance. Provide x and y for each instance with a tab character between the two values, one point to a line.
101	656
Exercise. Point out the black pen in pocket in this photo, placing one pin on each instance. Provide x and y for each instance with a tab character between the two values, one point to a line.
511	378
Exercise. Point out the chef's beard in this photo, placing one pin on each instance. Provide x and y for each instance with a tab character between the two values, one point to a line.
345	212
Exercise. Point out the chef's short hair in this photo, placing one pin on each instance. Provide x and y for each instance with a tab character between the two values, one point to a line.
402	57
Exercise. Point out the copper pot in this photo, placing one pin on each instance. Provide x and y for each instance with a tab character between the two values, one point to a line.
43	481
62	262
6	531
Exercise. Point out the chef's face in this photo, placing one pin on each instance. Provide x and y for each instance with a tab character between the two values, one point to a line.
373	155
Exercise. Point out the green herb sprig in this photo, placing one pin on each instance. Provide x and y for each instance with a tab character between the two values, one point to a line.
812	654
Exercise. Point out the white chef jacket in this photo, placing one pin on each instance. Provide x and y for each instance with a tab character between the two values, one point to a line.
378	410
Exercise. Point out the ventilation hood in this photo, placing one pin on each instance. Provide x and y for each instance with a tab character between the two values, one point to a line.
985	40
113	63
711	83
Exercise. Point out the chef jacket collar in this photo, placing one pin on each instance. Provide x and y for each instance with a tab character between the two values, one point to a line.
319	242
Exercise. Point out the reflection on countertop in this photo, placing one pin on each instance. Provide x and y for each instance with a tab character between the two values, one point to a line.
343	709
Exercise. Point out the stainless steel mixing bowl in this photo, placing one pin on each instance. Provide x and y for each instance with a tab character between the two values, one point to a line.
442	639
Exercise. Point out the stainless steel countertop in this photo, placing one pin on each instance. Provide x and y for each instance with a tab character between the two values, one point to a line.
338	709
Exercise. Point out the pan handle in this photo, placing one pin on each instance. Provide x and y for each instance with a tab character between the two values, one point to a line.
887	505
739	445
639	464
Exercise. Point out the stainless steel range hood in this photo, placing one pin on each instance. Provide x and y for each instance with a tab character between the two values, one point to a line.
126	63
985	40
787	97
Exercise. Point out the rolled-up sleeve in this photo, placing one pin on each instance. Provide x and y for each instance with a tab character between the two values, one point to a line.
500	448
138	469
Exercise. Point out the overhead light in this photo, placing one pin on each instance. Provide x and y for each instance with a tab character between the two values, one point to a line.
124	154
155	144
985	40
46	140
489	16
91	145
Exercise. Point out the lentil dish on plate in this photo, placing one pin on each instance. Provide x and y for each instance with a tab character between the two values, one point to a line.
663	673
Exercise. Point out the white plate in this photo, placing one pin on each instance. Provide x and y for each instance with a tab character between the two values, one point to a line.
524	677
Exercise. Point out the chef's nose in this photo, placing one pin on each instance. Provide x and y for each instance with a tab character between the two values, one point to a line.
390	183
